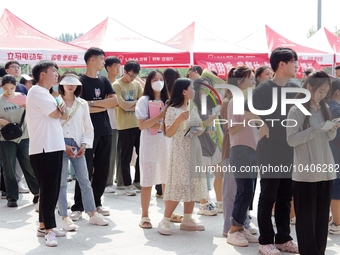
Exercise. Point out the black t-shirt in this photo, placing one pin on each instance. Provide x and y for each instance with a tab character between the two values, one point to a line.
275	149
98	89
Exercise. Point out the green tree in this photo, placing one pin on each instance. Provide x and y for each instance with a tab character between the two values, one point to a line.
337	31
311	31
67	37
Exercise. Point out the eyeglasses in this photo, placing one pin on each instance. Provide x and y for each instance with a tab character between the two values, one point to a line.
132	76
15	67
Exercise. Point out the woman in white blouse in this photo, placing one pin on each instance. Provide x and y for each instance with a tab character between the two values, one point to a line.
78	135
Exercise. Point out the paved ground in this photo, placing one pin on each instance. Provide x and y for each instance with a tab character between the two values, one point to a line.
123	235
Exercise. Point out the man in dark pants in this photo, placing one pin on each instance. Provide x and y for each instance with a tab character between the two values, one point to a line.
46	145
128	92
97	90
273	150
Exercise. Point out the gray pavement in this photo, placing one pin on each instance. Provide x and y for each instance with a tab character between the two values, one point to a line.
123	235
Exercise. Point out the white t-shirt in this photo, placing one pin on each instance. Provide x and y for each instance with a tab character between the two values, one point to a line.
45	132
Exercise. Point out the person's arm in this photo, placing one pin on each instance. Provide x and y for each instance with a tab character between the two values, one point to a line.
209	121
125	105
60	112
128	105
151	123
4	122
96	109
88	131
109	102
295	135
172	129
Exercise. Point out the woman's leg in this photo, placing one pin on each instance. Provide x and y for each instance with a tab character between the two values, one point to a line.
145	200
62	200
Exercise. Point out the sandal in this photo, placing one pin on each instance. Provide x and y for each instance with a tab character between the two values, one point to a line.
176	217
145	223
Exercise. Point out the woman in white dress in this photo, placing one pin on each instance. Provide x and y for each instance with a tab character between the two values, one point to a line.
183	182
153	150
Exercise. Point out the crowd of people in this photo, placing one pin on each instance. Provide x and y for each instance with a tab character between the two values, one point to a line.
165	126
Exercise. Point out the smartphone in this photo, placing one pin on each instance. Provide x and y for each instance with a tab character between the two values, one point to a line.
74	150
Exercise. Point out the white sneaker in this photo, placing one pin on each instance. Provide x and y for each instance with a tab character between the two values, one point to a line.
250	238
22	188
68	224
252	231
120	187
334	229
237	239
98	219
130	191
137	187
103	211
76	215
42	232
219	207
109	189
268	249
207	210
164	228
50	239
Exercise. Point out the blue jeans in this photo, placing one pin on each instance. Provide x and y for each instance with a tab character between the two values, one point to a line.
81	173
242	156
228	198
335	147
10	151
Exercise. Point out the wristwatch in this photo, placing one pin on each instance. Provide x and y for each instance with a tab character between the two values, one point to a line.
92	103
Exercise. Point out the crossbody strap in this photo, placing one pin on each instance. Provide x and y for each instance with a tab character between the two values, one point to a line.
71	114
22	118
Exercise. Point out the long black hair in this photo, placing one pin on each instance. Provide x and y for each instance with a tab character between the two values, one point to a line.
148	91
177	97
316	80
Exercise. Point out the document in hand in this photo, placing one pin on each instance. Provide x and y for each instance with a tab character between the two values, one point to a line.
154	109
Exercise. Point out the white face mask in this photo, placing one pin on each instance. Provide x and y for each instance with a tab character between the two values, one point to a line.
157	85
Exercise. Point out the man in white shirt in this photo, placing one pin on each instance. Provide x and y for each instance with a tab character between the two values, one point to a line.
46	144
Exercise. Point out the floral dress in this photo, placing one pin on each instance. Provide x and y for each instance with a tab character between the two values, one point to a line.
184	182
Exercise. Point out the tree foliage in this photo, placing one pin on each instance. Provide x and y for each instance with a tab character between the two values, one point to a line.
67	37
311	31
337	31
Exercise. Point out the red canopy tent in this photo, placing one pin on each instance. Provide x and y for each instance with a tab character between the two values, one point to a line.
116	39
325	40
266	39
19	41
202	44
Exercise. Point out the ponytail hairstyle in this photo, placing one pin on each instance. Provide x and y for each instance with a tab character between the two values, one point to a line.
237	76
316	80
177	97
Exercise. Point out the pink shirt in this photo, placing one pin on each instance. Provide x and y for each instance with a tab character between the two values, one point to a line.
248	136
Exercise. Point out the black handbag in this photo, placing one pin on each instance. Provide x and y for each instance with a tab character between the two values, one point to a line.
12	130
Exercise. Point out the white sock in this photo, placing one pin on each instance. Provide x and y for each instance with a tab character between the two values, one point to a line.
166	219
187	217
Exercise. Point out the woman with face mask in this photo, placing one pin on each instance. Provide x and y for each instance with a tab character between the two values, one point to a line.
154	153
